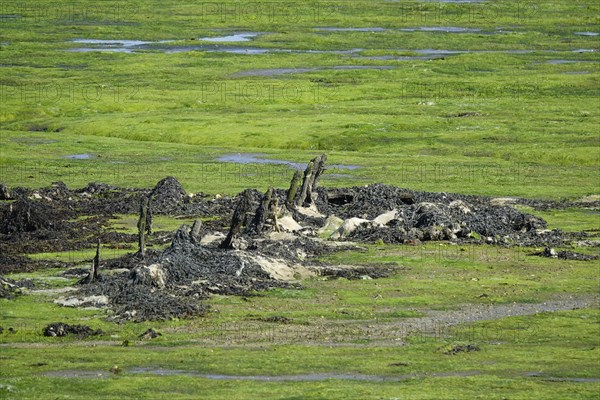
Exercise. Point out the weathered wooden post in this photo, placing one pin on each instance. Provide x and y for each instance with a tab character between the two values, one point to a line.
96	263
141	225
273	211
262	213
149	219
195	232
293	190
239	218
313	172
92	276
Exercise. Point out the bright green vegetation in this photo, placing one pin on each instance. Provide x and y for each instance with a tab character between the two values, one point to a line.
513	122
494	123
339	327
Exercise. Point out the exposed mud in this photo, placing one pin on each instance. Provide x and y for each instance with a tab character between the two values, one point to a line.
309	377
287	71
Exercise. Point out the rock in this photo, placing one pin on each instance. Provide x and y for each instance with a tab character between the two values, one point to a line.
152	275
239	243
288	223
310	211
115	369
386	218
434	232
195	231
503	201
348	226
550	252
212	237
280	269
88	301
332	224
5	192
460	206
150	334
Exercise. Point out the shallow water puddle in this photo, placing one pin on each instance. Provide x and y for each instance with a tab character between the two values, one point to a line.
236	37
556	62
112	45
452	1
256	158
336	29
586	33
443	29
84	156
131	46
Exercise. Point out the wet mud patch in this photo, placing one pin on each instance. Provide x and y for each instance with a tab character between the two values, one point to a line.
288	71
311	377
74	374
33	141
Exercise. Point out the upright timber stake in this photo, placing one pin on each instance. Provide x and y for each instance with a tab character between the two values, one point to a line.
238	221
313	172
195	232
293	190
92	276
149	219
273	211
262	213
96	263
142	226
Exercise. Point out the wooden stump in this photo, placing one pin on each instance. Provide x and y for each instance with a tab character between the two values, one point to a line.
312	173
238	221
141	225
